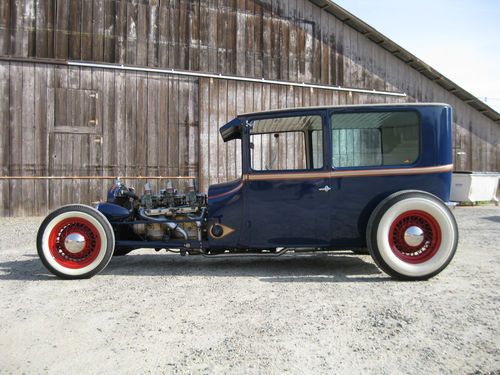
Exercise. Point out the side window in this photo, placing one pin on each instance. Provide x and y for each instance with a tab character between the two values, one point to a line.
375	139
286	143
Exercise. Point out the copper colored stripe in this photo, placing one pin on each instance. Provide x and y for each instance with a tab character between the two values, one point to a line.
227	192
354	173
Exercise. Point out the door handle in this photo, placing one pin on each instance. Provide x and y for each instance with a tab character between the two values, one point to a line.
326	189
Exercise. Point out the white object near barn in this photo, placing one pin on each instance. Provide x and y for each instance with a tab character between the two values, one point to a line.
474	187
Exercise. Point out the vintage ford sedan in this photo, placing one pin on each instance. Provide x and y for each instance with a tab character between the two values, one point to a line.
372	178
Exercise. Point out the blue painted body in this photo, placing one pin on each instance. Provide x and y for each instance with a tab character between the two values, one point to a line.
113	212
294	213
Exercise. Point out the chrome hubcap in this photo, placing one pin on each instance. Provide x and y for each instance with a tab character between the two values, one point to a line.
414	236
74	242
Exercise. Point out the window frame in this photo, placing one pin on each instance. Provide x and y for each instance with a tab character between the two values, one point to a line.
265	116
332	112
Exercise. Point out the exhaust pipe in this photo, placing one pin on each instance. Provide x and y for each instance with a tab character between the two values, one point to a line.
173	226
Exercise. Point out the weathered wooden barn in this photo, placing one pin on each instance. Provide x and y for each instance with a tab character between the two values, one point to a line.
97	88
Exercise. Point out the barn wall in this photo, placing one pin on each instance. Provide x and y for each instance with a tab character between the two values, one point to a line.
141	124
52	120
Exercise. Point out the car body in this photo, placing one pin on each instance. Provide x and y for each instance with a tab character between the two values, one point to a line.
312	179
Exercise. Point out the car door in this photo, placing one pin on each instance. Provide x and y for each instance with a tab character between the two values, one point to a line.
287	182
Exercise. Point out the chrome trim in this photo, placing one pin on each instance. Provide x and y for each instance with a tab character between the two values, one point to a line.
74	242
414	236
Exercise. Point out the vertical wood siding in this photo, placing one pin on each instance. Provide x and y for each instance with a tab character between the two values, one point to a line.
66	121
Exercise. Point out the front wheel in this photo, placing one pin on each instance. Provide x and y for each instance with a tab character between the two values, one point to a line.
412	235
75	242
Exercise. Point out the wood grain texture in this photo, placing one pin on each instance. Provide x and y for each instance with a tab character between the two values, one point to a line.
167	124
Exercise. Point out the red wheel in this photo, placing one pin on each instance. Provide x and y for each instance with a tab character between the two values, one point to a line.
412	235
415	236
75	242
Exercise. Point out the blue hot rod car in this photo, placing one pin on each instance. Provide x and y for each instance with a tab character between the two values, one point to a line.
373	178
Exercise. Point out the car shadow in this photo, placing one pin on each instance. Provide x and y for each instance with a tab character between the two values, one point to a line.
330	267
495	219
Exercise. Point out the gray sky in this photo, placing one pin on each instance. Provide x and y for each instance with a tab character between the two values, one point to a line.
459	38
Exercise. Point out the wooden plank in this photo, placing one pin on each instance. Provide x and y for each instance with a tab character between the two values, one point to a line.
86	30
258	150
204	26
15	132
193	122
173	44
108	123
258	27
221	119
121	18
142	37
301	41
131	41
29	28
325	48
339	53
28	140
212	36
222	32
231	37
152	32
119	141
50	30
194	35
55	187
5	26
41	137
173	126
346	42
163	34
184	36
130	122
142	121
74	26
233	172
163	106
266	41
183	129
275	40
317	44
41	43
284	46
293	55
98	19
152	125
204	105
87	149
61	31
250	39
110	30
241	38
5	139
16	30
213	142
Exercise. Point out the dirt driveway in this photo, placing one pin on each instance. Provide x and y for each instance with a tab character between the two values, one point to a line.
333	313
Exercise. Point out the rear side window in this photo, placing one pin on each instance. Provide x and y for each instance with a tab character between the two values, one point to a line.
375	139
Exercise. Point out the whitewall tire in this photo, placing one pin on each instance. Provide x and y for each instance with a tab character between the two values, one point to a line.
412	235
75	242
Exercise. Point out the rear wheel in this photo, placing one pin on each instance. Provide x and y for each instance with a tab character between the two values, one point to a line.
412	235
75	242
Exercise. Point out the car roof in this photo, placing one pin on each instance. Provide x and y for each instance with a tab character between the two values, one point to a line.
347	106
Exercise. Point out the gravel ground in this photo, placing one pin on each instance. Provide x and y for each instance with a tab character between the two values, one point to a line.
149	312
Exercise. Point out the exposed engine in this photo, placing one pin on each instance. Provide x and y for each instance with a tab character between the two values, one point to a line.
164	216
